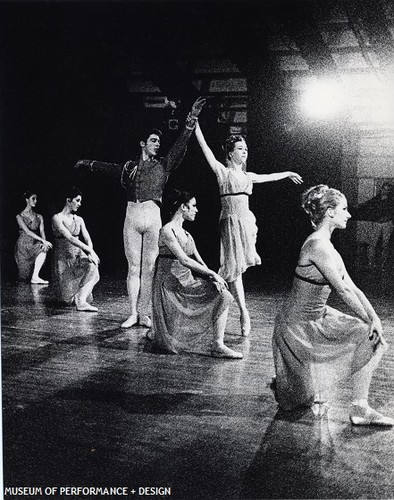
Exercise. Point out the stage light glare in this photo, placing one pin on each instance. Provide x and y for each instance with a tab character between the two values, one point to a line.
322	99
381	104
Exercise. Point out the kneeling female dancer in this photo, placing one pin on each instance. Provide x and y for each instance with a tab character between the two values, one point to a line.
184	306
32	246
316	346
75	264
238	230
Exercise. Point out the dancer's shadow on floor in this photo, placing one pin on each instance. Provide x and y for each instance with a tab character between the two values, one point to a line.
294	453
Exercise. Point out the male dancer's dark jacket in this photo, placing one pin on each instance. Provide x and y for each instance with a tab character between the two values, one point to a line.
145	179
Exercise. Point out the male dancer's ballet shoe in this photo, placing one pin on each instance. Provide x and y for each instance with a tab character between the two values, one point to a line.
130	321
85	307
225	352
360	415
245	325
145	321
39	281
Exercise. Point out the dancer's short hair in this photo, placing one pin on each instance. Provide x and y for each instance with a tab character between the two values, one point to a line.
148	132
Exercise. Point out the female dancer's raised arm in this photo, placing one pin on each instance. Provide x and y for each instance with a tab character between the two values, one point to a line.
207	151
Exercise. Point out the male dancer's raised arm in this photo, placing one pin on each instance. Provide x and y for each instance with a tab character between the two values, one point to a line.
170	162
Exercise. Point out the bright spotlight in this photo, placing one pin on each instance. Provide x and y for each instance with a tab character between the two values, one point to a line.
322	99
381	104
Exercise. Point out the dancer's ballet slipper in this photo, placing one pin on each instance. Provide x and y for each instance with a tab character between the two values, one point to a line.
145	321
223	351
130	321
360	415
39	281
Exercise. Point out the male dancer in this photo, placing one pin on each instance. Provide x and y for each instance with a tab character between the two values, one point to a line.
144	179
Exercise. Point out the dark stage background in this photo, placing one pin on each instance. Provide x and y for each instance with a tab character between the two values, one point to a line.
62	100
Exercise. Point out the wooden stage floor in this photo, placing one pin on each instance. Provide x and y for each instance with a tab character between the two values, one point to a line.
86	404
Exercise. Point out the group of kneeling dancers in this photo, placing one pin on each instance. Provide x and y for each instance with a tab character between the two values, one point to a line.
314	345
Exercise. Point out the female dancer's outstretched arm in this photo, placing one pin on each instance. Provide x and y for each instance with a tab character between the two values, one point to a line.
277	176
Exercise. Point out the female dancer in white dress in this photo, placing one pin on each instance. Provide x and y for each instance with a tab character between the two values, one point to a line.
32	246
190	301
314	345
238	230
75	264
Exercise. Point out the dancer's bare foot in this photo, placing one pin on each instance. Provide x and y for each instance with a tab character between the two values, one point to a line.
130	321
